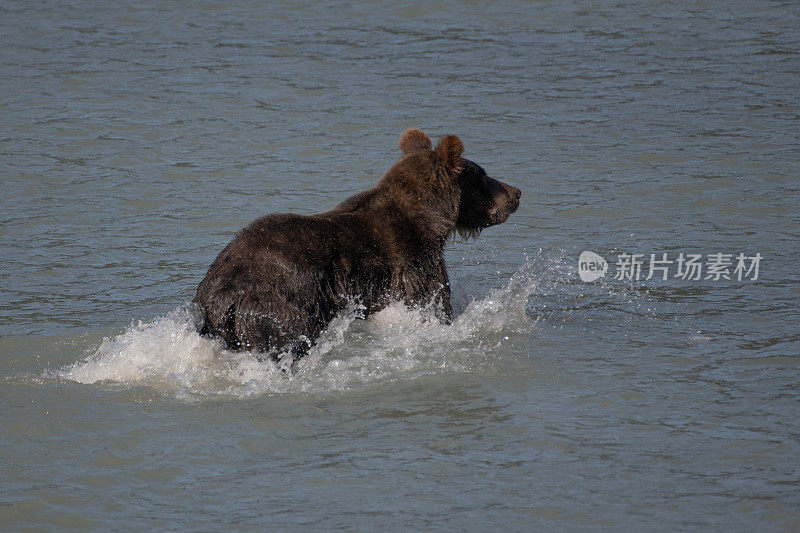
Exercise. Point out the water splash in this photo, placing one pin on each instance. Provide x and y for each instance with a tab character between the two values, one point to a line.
396	343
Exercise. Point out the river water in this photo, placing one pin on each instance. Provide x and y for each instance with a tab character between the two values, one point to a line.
137	138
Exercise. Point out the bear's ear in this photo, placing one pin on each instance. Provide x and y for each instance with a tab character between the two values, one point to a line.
449	151
413	140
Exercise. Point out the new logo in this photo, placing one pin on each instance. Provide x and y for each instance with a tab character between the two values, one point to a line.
591	266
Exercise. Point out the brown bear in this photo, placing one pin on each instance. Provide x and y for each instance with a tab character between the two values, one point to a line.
282	279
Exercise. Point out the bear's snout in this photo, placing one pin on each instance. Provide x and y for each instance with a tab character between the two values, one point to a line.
505	202
511	202
515	195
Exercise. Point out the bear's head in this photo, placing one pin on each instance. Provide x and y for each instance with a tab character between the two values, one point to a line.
482	201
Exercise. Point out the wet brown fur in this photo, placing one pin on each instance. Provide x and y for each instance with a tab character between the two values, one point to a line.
281	280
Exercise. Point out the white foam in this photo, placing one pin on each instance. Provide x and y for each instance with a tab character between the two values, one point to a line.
396	343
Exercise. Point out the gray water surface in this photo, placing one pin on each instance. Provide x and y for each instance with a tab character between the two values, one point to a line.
136	139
